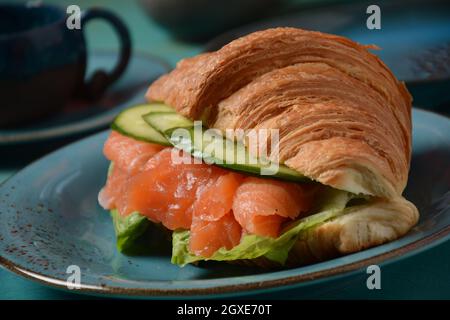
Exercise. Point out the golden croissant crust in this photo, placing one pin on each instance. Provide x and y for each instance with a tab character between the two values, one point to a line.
363	227
343	118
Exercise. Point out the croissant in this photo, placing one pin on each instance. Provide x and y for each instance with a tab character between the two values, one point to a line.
344	121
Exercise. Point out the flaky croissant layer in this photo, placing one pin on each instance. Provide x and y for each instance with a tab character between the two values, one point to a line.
344	119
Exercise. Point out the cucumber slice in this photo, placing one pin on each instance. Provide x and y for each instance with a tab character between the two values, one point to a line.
165	121
213	148
130	123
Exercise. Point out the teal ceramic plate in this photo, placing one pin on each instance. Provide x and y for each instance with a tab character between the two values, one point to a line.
50	220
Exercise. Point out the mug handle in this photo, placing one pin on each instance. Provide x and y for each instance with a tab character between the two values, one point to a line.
101	80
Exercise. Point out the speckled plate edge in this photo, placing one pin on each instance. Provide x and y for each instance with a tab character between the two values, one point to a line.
245	288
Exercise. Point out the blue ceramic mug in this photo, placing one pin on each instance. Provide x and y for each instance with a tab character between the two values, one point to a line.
43	62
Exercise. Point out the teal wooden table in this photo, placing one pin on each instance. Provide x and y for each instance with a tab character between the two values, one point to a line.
424	276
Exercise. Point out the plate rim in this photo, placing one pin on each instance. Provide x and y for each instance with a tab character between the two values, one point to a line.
344	270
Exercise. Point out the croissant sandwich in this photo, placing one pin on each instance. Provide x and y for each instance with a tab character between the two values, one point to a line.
324	179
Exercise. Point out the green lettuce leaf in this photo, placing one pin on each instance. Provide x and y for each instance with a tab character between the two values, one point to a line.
128	229
332	202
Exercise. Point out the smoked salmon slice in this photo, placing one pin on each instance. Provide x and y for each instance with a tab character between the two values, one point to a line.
127	153
216	205
128	156
209	236
213	224
167	191
262	205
